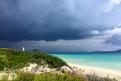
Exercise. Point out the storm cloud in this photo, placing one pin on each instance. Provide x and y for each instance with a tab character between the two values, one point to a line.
61	25
53	20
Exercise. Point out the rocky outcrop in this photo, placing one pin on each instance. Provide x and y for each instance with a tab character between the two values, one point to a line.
34	68
66	69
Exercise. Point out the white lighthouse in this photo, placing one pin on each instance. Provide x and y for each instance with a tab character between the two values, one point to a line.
23	49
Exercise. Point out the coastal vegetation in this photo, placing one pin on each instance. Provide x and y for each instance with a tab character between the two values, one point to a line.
57	77
11	59
48	77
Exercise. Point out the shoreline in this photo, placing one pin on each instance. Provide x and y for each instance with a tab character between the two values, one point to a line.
102	72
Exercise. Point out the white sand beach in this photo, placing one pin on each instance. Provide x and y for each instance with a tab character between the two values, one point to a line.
97	71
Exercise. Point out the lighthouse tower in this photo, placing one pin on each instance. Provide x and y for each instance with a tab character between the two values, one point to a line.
23	49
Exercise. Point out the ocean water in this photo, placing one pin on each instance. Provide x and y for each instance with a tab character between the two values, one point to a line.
101	60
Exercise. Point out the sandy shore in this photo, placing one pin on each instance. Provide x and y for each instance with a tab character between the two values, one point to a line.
75	68
97	71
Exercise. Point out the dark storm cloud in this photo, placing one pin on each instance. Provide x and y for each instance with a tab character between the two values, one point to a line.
52	20
35	20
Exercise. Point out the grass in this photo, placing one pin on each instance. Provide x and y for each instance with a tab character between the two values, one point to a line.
10	58
46	77
97	78
57	77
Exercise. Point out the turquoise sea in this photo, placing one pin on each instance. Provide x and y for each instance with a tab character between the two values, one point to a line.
101	60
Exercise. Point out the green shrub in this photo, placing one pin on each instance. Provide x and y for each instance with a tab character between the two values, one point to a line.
10	58
52	61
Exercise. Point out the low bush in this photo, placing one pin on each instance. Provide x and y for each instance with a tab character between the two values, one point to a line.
12	59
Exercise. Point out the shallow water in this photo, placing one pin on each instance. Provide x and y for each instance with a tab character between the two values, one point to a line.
102	60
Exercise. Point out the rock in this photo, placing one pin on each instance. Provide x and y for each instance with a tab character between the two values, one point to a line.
66	69
30	68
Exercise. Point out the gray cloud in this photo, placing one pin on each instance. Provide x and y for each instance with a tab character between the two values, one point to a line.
60	25
115	39
107	40
114	36
53	20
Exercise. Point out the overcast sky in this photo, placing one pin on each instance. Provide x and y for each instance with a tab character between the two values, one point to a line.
61	25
